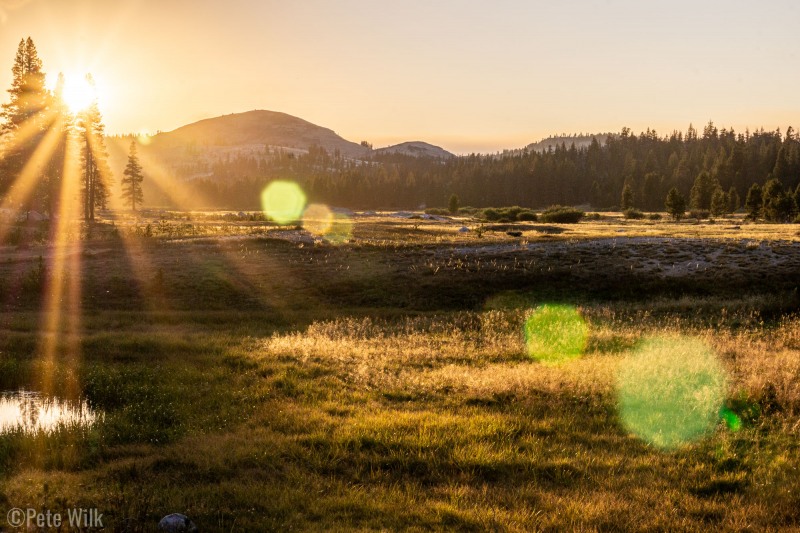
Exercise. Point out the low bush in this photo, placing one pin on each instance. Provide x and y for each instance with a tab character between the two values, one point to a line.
561	215
527	216
491	214
633	214
507	214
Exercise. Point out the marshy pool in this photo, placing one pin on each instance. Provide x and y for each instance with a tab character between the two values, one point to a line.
32	412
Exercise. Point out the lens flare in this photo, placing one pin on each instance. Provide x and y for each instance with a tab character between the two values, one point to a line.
731	419
321	221
670	391
283	201
555	334
317	219
341	229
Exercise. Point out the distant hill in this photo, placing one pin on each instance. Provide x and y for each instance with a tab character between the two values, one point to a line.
255	128
191	151
194	150
580	141
416	149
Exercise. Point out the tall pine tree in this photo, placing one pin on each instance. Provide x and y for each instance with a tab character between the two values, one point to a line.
96	172
25	119
132	179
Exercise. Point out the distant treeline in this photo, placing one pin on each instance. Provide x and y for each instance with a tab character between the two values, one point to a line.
566	175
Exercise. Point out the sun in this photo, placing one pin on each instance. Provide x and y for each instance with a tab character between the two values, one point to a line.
79	92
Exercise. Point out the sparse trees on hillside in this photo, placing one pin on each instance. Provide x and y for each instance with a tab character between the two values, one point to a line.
132	179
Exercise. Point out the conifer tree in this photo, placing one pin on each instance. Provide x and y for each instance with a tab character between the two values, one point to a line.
626	201
702	191
63	120
777	205
675	204
733	200
27	105
719	202
96	172
754	201
132	179
452	204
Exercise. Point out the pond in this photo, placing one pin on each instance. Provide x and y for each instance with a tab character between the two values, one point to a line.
31	412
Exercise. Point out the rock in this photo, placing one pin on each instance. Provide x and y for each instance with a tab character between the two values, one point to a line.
177	523
463	229
242	214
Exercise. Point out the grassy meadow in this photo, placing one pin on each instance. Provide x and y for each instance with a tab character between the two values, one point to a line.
259	378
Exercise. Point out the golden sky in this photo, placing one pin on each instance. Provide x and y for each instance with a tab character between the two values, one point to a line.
468	75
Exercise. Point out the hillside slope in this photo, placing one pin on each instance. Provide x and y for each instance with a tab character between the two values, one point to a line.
416	149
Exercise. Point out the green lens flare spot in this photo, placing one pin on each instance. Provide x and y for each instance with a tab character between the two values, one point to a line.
341	229
670	391
733	422
283	201
555	334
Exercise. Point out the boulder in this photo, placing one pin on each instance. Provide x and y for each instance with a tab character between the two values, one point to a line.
177	523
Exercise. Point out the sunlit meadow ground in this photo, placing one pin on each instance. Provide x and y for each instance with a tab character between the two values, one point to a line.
256	378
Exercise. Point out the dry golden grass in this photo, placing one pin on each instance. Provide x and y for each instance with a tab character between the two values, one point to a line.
386	384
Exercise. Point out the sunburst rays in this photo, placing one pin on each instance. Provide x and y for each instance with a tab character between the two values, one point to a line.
30	176
62	295
164	179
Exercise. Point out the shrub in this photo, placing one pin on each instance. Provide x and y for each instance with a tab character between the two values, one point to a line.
654	216
439	211
527	216
633	214
562	215
491	214
699	214
452	204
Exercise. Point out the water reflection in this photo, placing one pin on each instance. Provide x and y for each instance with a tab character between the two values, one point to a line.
30	412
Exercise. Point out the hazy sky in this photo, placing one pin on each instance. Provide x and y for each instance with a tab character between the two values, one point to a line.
466	75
